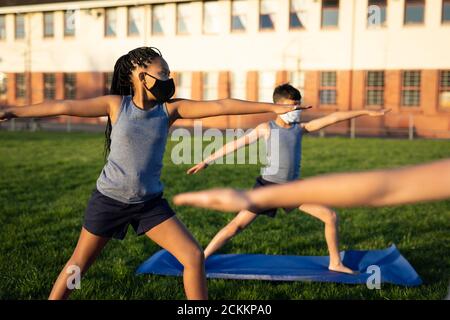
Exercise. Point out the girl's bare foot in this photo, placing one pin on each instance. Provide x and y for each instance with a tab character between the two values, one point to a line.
340	268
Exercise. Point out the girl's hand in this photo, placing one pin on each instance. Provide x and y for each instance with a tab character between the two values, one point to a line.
378	113
227	200
5	115
198	167
282	109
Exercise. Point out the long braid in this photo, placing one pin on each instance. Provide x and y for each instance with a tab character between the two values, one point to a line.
121	83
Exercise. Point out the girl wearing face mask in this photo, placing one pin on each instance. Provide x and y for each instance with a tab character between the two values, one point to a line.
283	138
129	191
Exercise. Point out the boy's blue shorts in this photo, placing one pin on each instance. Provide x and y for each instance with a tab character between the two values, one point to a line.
260	182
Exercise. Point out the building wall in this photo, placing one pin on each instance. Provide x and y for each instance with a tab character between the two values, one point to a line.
395	46
350	49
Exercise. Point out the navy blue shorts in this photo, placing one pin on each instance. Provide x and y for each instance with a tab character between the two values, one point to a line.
260	182
109	218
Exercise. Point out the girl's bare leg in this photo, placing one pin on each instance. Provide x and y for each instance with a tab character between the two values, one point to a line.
330	218
239	223
173	236
88	248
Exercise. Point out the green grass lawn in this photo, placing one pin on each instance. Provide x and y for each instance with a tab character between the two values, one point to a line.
47	178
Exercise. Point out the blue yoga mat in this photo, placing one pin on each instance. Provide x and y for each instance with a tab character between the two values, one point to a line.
394	268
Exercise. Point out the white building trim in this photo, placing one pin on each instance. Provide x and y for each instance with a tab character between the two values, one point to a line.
350	46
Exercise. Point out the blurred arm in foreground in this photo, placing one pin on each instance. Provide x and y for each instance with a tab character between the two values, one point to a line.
425	182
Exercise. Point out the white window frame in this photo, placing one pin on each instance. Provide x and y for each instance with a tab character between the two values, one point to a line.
210	80
184	16
184	85
266	83
238	85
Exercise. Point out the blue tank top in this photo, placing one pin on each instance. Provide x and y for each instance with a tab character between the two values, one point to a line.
283	153
138	140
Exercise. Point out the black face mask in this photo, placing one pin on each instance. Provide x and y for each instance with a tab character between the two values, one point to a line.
162	90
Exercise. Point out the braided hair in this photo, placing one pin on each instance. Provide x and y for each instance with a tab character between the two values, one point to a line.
121	83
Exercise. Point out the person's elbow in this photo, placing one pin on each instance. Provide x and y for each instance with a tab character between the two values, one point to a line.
224	103
63	107
311	127
222	106
334	117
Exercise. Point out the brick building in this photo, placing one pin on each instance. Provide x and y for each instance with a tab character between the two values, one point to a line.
342	54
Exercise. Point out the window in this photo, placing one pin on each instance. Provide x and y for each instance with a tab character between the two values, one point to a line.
184	85
211	17
266	84
69	23
297	79
158	21
48	25
444	89
445	11
375	88
330	13
238	85
239	9
111	22
2	26
70	84
49	86
184	17
328	92
19	26
210	85
411	88
376	13
135	20
107	81
267	13
296	14
3	85
21	86
414	11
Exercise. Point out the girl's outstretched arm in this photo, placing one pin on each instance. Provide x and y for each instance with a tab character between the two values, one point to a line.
94	107
190	109
426	182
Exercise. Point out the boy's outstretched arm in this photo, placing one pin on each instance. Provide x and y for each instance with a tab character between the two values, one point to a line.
336	117
426	182
261	130
190	109
94	107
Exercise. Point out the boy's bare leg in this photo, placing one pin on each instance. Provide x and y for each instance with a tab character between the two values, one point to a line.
239	223
330	218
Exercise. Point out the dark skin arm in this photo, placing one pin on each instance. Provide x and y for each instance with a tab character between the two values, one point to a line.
190	109
94	107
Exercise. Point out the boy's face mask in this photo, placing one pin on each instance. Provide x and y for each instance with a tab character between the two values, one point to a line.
291	117
162	90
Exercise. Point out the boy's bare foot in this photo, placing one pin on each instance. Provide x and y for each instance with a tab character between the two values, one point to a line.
341	268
